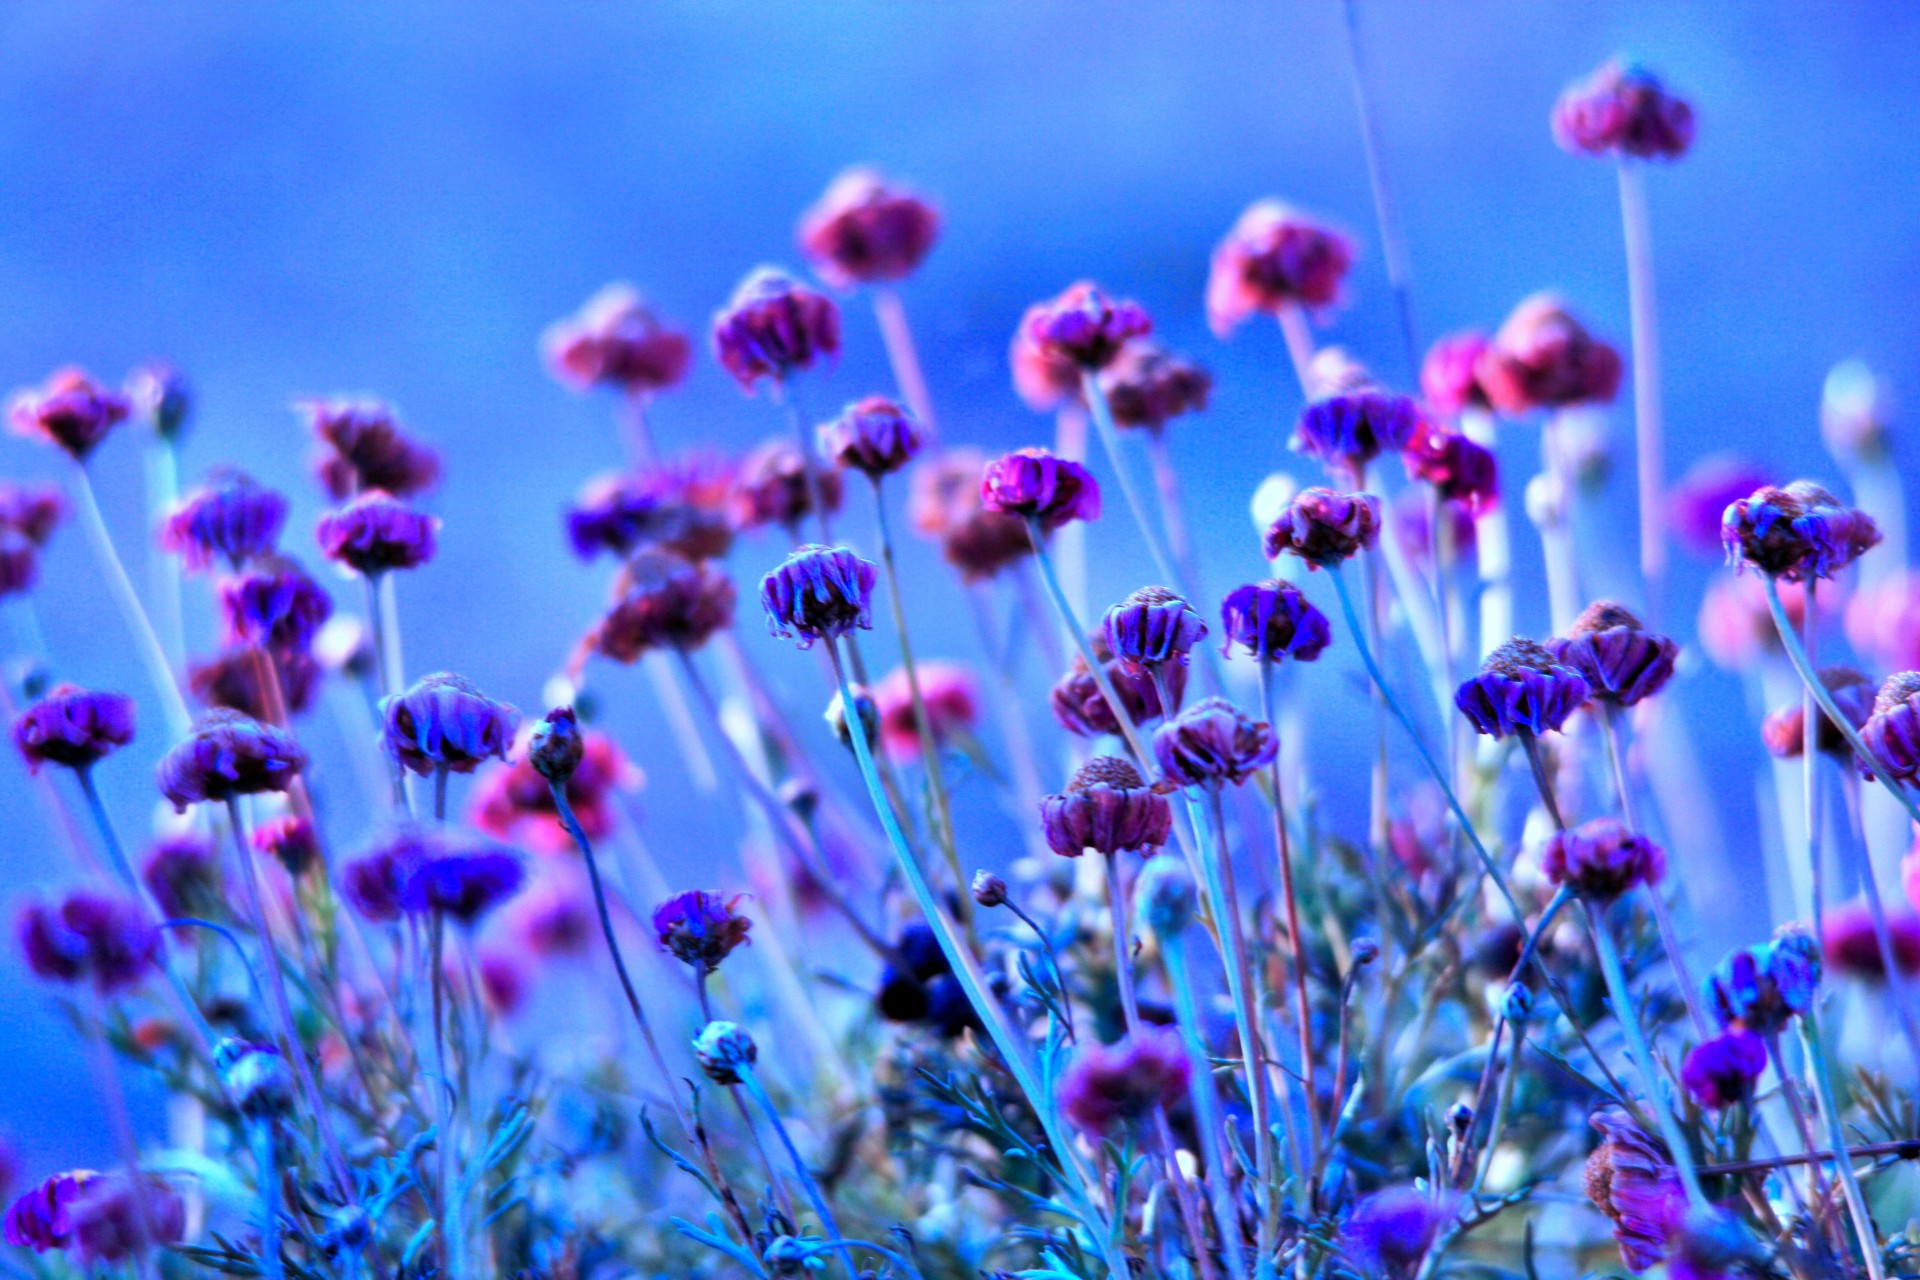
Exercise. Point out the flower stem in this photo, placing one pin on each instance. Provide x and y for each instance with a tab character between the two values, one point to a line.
269	1176
1299	339
1135	743
1109	434
751	1079
1899	986
1303	1005
636	432
1392	240
1542	779
1122	945
1645	322
1863	1228
1206	1102
1053	962
896	335
120	586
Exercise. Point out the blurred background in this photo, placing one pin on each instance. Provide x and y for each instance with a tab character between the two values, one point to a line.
302	198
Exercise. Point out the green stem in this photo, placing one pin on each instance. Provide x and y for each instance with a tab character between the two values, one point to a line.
751	1079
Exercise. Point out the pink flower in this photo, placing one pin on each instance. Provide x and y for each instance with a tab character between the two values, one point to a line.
1850	945
1883	621
1083	326
1623	108
616	341
866	231
1448	376
774	326
947	691
1274	257
71	411
1543	358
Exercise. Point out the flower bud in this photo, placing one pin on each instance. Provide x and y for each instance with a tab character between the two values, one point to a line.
1168	901
722	1048
989	890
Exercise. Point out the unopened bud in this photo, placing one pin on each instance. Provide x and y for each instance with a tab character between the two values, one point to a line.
801	796
1168	901
869	719
1460	1119
1517	1007
557	746
989	890
722	1048
1365	952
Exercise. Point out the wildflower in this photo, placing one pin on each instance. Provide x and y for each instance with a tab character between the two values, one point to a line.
1108	808
273	603
230	517
377	532
71	411
291	840
701	929
19	563
159	393
777	484
1623	108
774	326
1521	686
1347	429
1391	1230
42	1219
557	917
444	722
1108	1087
722	1048
113	1219
73	727
1849	944
865	230
682	505
1883	620
1543	358
1042	377
1723	1070
462	879
1272	620
183	874
1784	730
1148	387
1631	1179
1083	326
945	503
818	592
1152	629
616	341
1035	485
1892	732
375	882
229	755
1166	897
874	436
925	991
1736	626
1459	470
255	1075
363	448
1621	661
663	602
33	511
988	889
503	983
1274	257
1763	988
1696	504
1600	860
1448	376
234	680
1081	708
557	747
1323	527
1797	532
947	692
107	942
1212	742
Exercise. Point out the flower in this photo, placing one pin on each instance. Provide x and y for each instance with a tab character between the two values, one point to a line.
274	604
1350	428
1274	257
1784	730
1543	358
183	874
1323	527
1631	1179
444	722
256	1076
515	801
1107	1087
557	917
71	411
73	727
701	929
230	517
1147	387
1391	1230
1723	1070
925	990
108	942
818	592
1152	629
1521	686
663	601
1035	485
42	1219
1081	708
874	436
375	882
1856	406
1696	504
616	341
774	326
234	679
1600	860
1763	988
291	840
462	878
865	230
945	503
777	484
1796	532
19	563
722	1048
1736	628
1850	944
1083	326
1623	108
1107	807
113	1219
1042	377
682	505
1448	377
1892	732
557	746
1458	469
947	692
227	755
363	448
988	889
376	532
1272	620
1212	742
1883	620
503	983
1621	661
159	393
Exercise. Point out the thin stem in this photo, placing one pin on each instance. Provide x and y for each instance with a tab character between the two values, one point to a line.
1905	1149
1899	990
1542	780
751	1079
1122	945
1863	1228
809	468
453	1233
896	335
1206	1102
440	794
1645	320
1095	667
1109	434
1303	1005
1184	1201
636	432
1166	479
1392	239
120	586
1053	962
120	1121
163	491
269	1176
1810	793
1299	339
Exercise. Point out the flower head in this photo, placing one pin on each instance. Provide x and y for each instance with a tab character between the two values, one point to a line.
683	505
375	882
1152	629
701	929
1107	807
919	986
1036	485
1107	1087
1391	1231
774	326
107	942
114	1218
1892	732
1323	527
291	841
1448	376
1272	620
1212	742
1600	860
1081	708
462	878
73	727
229	755
874	436
1621	661
1723	1070
1543	358
228	518
1763	988
159	393
71	411
1083	326
721	1049
778	484
1148	387
1849	943
616	341
445	722
1043	378
1349	428
945	503
1631	1178
1625	109
1797	532
19	563
377	532
1696	504
1458	469
33	511
1274	257
949	694
1784	730
237	679
272	603
42	1218
557	747
362	448
865	230
1521	686
818	592
663	602
515	801
256	1076
183	874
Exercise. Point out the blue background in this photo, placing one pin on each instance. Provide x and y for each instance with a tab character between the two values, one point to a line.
289	199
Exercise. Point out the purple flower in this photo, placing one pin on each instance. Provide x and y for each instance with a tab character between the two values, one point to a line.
1763	988
1543	358
1107	807
445	722
1631	1179
616	341
557	746
1272	620
1621	661
1784	730
113	1218
678	506
1458	469
1083	326
71	411
1212	742
1108	1087
1274	257
230	518
1081	708
874	436
1623	108
274	604
1349	429
375	882
33	511
1152	629
1797	532
42	1219
292	842
183	874
377	532
1035	485
1722	1071
363	449
159	393
701	929
1600	860
1147	387
236	680
1448	376
1521	687
1323	527
1849	943
1696	504
774	326
108	942
1892	732
1391	1230
462	879
865	230
20	563
229	755
73	727
777	484
663	602
818	592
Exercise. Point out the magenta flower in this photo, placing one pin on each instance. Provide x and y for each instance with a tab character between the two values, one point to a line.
1722	1071
865	230
445	722
1274	257
1696	504
945	503
1108	1087
1458	469
33	511
113	1219
1348	429
1849	944
159	393
1213	742
1621	661
107	942
774	326
663	602
71	411
274	604
73	727
1152	629
462	879
1521	687
19	563
874	436
1324	528
1147	387
1035	485
236	679
377	532
1623	108
1273	620
1797	532
616	341
1043	378
818	592
1081	708
42	1219
228	755
1543	358
1083	326
700	929
1631	1179
1107	807
229	518
1784	730
1449	376
1600	860
291	841
773	486
1390	1231
949	694
363	448
1892	732
681	505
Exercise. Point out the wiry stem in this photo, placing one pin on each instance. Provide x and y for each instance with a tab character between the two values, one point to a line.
751	1079
120	586
1303	1005
1206	1103
1863	1228
1899	987
896	335
1135	743
1645	321
1109	434
1392	240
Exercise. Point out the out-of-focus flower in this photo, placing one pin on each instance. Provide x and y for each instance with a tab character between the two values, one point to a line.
1784	730
874	436
1736	628
1623	109
1600	860
1856	407
377	532
1722	1071
1323	527
1697	503
33	511
515	801
555	917
230	517
1274	257
1083	326
227	755
503	983
375	882
721	1049
19	563
73	727
925	991
273	603
1621	660
1349	428
256	1076
107	942
683	505
445	722
774	326
1148	387
700	929
1448	376
71	411
1883	620
663	602
1152	629
159	393
1849	944
235	679
1458	469
1892	732
1213	742
1797	532
1415	518
1631	1179
182	873
946	504
947	691
818	592
1042	377
462	879
557	748
113	1218
1036	485
1081	708
1762	988
988	889
42	1219
1107	807
866	230
1521	686
776	484
1273	620
1543	358
292	842
1390	1231
616	341
1167	898
1107	1087
363	448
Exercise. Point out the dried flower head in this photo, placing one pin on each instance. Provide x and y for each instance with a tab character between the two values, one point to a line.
1152	629
701	929
377	532
1323	527
557	746
1621	661
1148	387
818	592
273	603
90	937
445	722
71	411
774	326
945	503
616	341
229	518
1797	532
1722	1071
1631	1179
1784	730
1081	708
363	448
1521	686
182	872
663	602
988	889
1600	860
159	393
1763	988
1083	326
1108	1087
239	680
1623	109
375	882
1213	742
778	484
1892	732
228	755
1273	620
1035	485
866	230
1107	807
73	727
1274	257
874	436
1543	358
